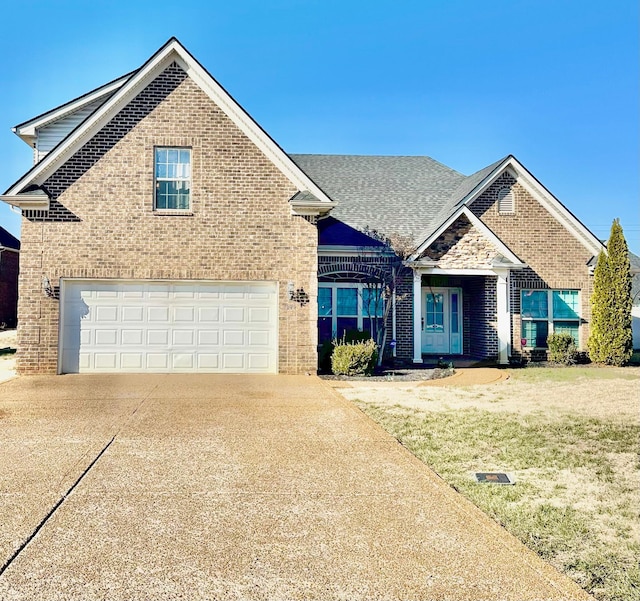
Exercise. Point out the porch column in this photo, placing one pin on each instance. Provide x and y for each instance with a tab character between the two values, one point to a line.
417	317
503	316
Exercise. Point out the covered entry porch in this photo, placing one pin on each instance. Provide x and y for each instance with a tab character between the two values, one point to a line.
461	312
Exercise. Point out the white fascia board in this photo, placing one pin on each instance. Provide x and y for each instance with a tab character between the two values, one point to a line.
34	202
430	270
27	130
311	209
478	224
172	51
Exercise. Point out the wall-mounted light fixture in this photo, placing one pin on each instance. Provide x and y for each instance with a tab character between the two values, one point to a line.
47	288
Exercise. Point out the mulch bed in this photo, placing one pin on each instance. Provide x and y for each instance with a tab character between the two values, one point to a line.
396	375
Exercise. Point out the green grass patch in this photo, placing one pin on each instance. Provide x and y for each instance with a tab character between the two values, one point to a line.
581	533
570	374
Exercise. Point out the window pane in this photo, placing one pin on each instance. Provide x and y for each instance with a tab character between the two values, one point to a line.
161	155
454	313
565	304
535	303
324	329
372	302
368	324
569	327
347	301
535	333
172	155
185	156
172	171
324	301
161	170
345	324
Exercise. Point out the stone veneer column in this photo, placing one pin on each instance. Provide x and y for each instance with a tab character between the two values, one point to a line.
417	317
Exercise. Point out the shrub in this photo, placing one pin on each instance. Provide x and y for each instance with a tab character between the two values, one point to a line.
610	341
326	349
562	349
354	358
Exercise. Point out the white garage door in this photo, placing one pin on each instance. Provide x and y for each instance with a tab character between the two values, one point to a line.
151	326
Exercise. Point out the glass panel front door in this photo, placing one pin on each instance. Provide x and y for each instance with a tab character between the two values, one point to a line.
441	321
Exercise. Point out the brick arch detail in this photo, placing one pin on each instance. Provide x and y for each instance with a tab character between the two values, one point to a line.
353	270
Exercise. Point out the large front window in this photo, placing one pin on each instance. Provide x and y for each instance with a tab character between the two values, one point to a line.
344	307
547	311
173	179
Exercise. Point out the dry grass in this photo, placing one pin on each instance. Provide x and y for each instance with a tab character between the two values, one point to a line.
570	436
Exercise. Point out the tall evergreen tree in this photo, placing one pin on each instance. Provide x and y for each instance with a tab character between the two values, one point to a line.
611	336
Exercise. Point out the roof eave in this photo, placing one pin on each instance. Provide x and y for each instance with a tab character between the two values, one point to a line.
308	208
32	202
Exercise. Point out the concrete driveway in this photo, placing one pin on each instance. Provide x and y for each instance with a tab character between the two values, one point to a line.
233	487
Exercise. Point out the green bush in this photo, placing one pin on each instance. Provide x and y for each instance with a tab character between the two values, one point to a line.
354	358
562	349
326	349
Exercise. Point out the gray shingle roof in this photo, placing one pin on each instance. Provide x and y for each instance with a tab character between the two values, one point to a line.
406	195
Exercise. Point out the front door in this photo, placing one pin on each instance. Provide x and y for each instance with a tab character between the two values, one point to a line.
441	321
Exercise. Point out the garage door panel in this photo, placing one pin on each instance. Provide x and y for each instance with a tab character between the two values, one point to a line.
132	313
168	326
105	313
160	314
132	360
133	337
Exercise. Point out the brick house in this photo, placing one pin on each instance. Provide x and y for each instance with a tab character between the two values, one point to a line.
9	267
164	230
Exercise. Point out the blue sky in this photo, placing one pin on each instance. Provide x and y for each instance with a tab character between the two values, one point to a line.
554	82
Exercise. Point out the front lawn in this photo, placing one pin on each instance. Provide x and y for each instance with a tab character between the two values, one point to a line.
570	437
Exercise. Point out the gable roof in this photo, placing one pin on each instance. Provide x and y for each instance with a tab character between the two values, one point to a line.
389	194
418	196
171	52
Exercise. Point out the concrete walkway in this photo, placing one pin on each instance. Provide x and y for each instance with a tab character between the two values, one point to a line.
233	487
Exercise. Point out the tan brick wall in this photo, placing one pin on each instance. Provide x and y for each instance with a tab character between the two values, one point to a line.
554	257
240	228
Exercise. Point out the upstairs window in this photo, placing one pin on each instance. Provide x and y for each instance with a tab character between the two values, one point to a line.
506	201
173	179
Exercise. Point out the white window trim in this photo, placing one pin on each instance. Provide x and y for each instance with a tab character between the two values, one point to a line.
550	317
166	211
334	304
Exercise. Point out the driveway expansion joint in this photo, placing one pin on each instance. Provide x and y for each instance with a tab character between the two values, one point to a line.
52	511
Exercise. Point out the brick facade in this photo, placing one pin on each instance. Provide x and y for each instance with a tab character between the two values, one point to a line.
102	223
9	267
555	259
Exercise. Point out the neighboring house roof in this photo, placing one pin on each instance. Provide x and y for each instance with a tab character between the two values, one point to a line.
7	240
316	201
